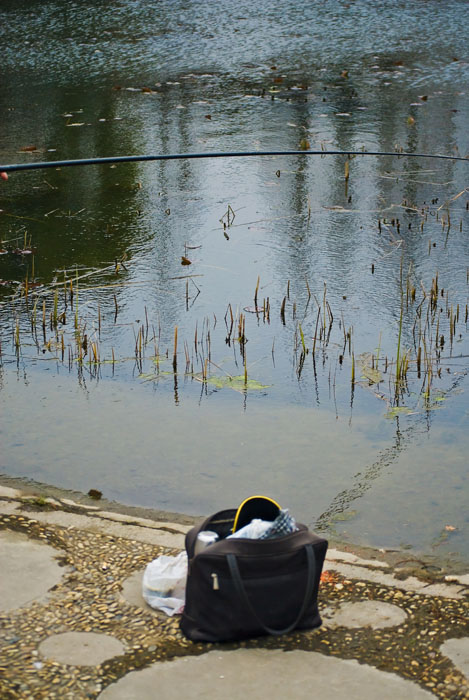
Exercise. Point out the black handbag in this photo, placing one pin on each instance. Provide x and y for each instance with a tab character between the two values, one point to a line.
240	588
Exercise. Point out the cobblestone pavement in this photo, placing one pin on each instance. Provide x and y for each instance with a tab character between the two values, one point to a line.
73	623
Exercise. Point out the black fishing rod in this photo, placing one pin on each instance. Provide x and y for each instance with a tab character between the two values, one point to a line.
229	154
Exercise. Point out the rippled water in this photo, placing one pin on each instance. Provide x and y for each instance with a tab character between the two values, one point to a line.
340	256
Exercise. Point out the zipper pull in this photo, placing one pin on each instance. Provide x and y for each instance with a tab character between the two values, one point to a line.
216	585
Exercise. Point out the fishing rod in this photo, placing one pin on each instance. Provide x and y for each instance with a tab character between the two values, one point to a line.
229	154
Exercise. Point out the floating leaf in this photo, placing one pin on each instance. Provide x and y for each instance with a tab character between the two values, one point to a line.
158	358
155	376
304	144
28	149
185	261
399	411
372	375
237	383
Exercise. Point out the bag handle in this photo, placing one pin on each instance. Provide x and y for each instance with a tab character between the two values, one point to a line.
240	589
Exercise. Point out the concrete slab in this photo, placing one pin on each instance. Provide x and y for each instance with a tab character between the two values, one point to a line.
337	555
74	504
175	528
8	492
413	584
28	570
9	507
81	648
458	651
164	534
256	674
369	613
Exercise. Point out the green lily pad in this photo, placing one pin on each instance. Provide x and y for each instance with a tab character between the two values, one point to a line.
236	383
153	377
399	411
373	376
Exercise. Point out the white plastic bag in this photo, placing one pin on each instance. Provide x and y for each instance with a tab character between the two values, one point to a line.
164	583
253	530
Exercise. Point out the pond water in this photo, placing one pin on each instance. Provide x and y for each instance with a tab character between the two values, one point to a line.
182	334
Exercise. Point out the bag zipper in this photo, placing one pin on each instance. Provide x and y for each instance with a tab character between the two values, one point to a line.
215	584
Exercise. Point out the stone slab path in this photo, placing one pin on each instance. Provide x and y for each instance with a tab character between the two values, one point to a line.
29	568
73	623
256	674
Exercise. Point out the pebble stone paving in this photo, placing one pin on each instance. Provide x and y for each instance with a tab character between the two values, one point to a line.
88	599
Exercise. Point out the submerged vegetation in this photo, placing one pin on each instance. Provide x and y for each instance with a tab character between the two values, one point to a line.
73	321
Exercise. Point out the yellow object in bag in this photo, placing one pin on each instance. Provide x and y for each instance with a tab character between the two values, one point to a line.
261	507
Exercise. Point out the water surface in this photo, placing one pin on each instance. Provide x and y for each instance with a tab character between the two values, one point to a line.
340	257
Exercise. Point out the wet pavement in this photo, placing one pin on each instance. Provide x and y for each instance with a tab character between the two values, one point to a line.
73	623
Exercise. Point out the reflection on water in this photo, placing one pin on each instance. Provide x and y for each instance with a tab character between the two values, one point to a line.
355	279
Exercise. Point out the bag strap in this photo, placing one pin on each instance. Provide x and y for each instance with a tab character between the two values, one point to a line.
240	589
